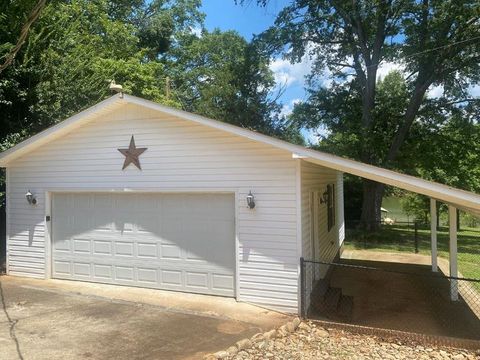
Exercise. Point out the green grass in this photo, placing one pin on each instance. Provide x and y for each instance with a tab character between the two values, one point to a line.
400	238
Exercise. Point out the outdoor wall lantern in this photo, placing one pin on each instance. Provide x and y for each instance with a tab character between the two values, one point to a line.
325	196
32	200
250	200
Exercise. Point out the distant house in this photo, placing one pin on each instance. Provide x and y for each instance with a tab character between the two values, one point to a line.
131	192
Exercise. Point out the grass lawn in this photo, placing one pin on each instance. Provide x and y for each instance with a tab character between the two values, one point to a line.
401	238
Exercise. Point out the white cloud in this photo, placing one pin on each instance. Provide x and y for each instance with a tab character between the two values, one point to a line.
438	91
386	67
197	31
287	109
474	90
311	136
435	92
287	74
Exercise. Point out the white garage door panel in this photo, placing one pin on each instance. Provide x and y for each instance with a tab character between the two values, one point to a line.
182	242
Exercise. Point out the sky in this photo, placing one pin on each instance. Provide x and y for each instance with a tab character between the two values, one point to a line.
250	20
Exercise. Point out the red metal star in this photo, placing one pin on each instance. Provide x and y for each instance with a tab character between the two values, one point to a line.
131	154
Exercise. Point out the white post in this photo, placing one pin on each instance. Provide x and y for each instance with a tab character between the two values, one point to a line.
433	233
452	215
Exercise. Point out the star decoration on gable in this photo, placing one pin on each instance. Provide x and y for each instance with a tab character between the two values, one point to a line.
132	154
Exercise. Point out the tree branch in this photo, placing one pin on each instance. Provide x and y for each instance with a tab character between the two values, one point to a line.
34	14
412	109
460	101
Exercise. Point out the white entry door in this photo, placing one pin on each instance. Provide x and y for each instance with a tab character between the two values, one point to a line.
183	242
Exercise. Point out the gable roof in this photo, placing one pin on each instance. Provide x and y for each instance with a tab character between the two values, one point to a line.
466	200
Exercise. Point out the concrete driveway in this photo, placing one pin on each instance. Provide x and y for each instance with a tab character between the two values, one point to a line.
52	319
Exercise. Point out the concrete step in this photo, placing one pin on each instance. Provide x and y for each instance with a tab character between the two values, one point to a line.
345	308
333	305
327	303
320	289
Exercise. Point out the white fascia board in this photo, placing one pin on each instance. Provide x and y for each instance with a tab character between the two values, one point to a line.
438	191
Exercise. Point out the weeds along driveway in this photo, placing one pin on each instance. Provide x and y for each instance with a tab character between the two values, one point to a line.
41	322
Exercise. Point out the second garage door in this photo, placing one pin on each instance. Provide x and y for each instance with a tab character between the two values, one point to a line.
183	242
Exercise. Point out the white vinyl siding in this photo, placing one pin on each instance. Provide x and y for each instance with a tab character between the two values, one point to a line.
315	179
182	156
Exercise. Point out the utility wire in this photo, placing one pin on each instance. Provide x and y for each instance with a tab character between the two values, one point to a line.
433	49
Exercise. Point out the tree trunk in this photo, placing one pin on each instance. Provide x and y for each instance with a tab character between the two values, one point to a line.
372	202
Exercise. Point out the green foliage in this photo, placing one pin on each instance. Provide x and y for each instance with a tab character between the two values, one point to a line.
445	150
470	220
221	76
445	147
160	21
416	206
339	109
72	52
79	48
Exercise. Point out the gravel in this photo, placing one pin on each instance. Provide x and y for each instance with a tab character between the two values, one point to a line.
314	342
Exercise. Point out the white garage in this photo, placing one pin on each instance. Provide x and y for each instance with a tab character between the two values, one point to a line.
183	242
130	192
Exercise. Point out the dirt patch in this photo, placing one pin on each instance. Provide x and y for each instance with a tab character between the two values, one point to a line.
405	297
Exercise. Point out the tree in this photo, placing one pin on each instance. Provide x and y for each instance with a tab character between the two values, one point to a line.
446	148
77	47
437	43
220	75
14	49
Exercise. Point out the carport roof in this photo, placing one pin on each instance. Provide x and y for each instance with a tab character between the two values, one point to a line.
468	201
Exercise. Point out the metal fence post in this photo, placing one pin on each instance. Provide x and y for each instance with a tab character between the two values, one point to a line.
302	287
416	237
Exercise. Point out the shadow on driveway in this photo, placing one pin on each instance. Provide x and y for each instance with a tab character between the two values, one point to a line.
38	323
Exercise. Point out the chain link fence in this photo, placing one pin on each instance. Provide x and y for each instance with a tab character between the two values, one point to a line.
404	238
404	297
3	239
408	234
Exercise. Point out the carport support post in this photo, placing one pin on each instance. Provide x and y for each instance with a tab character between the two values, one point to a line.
433	233
452	215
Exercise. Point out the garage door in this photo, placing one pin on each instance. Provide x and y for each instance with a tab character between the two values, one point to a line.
183	242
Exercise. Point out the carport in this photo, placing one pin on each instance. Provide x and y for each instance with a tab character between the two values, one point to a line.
455	198
397	293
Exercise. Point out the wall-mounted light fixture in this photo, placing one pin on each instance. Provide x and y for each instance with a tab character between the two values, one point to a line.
325	196
250	200
31	199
